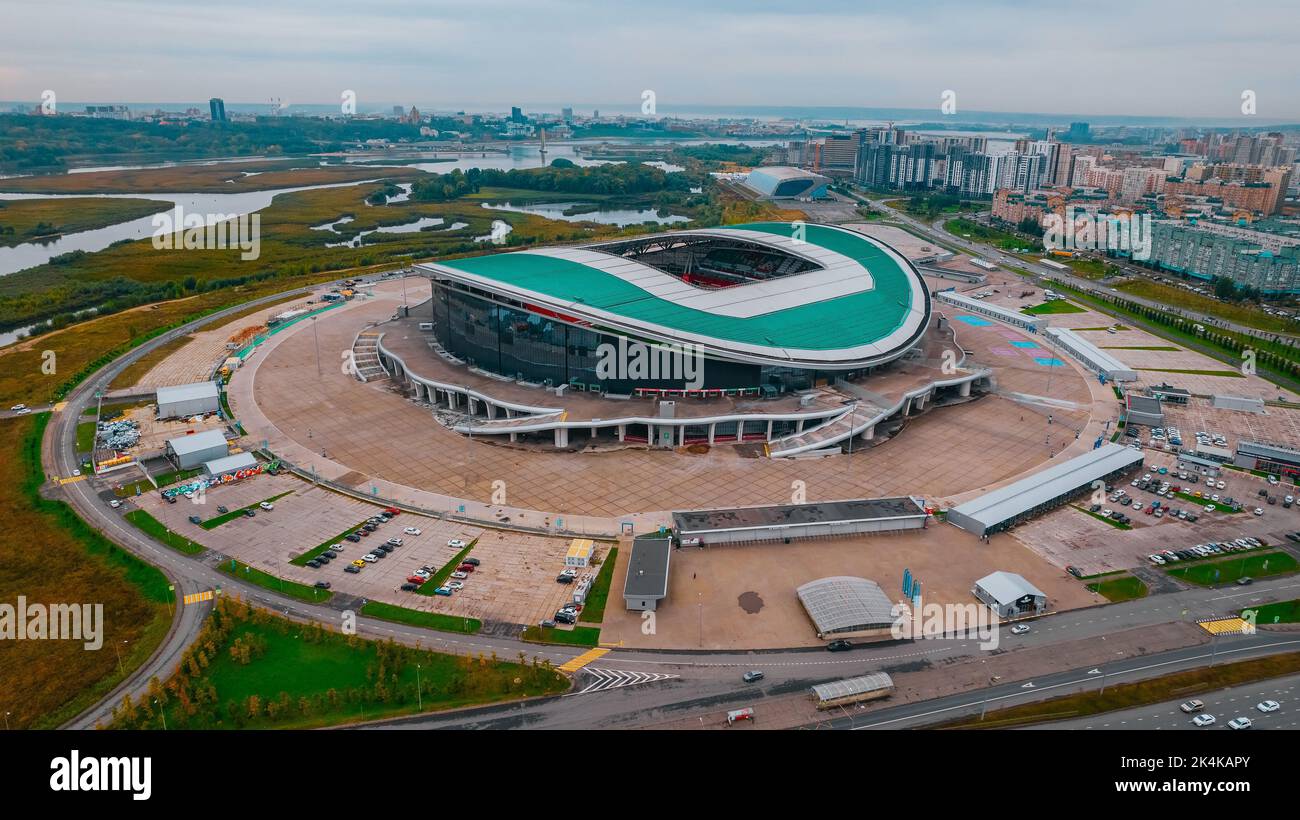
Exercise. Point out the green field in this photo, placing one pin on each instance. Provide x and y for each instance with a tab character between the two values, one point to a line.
154	528
1256	565
1126	588
45	683
578	636
1054	306
1231	374
238	569
86	436
1169	348
227	517
252	670
593	610
1282	612
428	620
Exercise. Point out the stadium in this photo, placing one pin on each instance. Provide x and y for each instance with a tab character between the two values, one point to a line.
769	304
752	332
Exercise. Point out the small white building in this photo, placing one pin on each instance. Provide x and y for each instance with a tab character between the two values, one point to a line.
185	400
1010	595
580	552
192	451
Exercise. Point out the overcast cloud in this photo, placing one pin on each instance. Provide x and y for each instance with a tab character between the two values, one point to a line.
1189	59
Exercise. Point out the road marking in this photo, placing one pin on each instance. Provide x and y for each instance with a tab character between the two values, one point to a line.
71	480
196	597
584	659
606	679
1224	626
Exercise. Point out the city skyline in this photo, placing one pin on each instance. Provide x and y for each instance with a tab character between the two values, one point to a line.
1118	60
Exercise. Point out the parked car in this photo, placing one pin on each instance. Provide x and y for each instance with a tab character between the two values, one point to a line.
247	513
456	585
465	568
353	537
565	616
221	509
370	558
752	676
1019	629
458	574
564	579
412	530
391	510
352	569
473	562
359	563
393	542
839	645
1245	581
322	585
409	587
313	563
267	505
442	591
457	544
415	579
194	519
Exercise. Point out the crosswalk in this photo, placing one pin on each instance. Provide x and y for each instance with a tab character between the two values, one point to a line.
1224	626
582	660
606	679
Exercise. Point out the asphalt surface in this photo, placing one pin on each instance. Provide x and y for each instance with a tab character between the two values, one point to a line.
1224	705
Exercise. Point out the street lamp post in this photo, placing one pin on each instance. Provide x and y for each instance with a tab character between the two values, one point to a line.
316	338
161	713
419	695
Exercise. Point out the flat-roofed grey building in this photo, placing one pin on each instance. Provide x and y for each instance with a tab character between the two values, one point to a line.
230	464
1246	404
188	452
1144	410
185	400
1270	458
844	606
790	521
647	573
1021	500
1009	594
1171	394
1089	355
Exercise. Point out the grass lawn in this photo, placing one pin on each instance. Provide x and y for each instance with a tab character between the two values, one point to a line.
429	620
1116	524
594	609
1231	374
225	518
1169	348
45	683
238	569
1002	239
1054	306
154	528
165	479
86	436
1282	612
440	577
1125	588
578	636
1242	314
1180	685
1258	565
258	671
1205	502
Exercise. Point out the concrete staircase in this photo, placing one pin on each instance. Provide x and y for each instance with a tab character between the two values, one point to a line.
365	355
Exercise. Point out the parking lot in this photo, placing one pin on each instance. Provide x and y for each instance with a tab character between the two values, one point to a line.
515	582
1277	425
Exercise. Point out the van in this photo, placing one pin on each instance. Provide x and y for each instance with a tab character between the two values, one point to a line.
426	326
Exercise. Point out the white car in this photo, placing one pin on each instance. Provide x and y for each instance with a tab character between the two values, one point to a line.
1214	497
571	572
1019	629
1156	559
1137	506
1259	511
370	558
1203	720
78	472
458	575
1107	512
23	411
412	530
267	505
1239	723
455	585
1268	706
457	544
423	573
115	503
1219	486
1209	508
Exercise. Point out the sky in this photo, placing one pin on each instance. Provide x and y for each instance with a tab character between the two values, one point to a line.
1181	59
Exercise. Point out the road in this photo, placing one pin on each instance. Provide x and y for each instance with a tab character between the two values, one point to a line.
1224	705
690	678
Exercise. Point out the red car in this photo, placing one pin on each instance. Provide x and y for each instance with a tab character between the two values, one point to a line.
465	568
415	579
392	510
363	533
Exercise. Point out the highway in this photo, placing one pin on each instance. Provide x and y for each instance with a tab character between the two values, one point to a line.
643	686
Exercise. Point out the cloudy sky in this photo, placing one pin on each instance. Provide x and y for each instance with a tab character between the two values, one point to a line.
1189	58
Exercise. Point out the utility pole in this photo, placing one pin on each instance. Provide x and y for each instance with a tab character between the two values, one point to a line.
316	337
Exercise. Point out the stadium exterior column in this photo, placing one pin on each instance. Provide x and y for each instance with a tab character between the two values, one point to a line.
561	437
965	389
713	428
769	429
622	432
